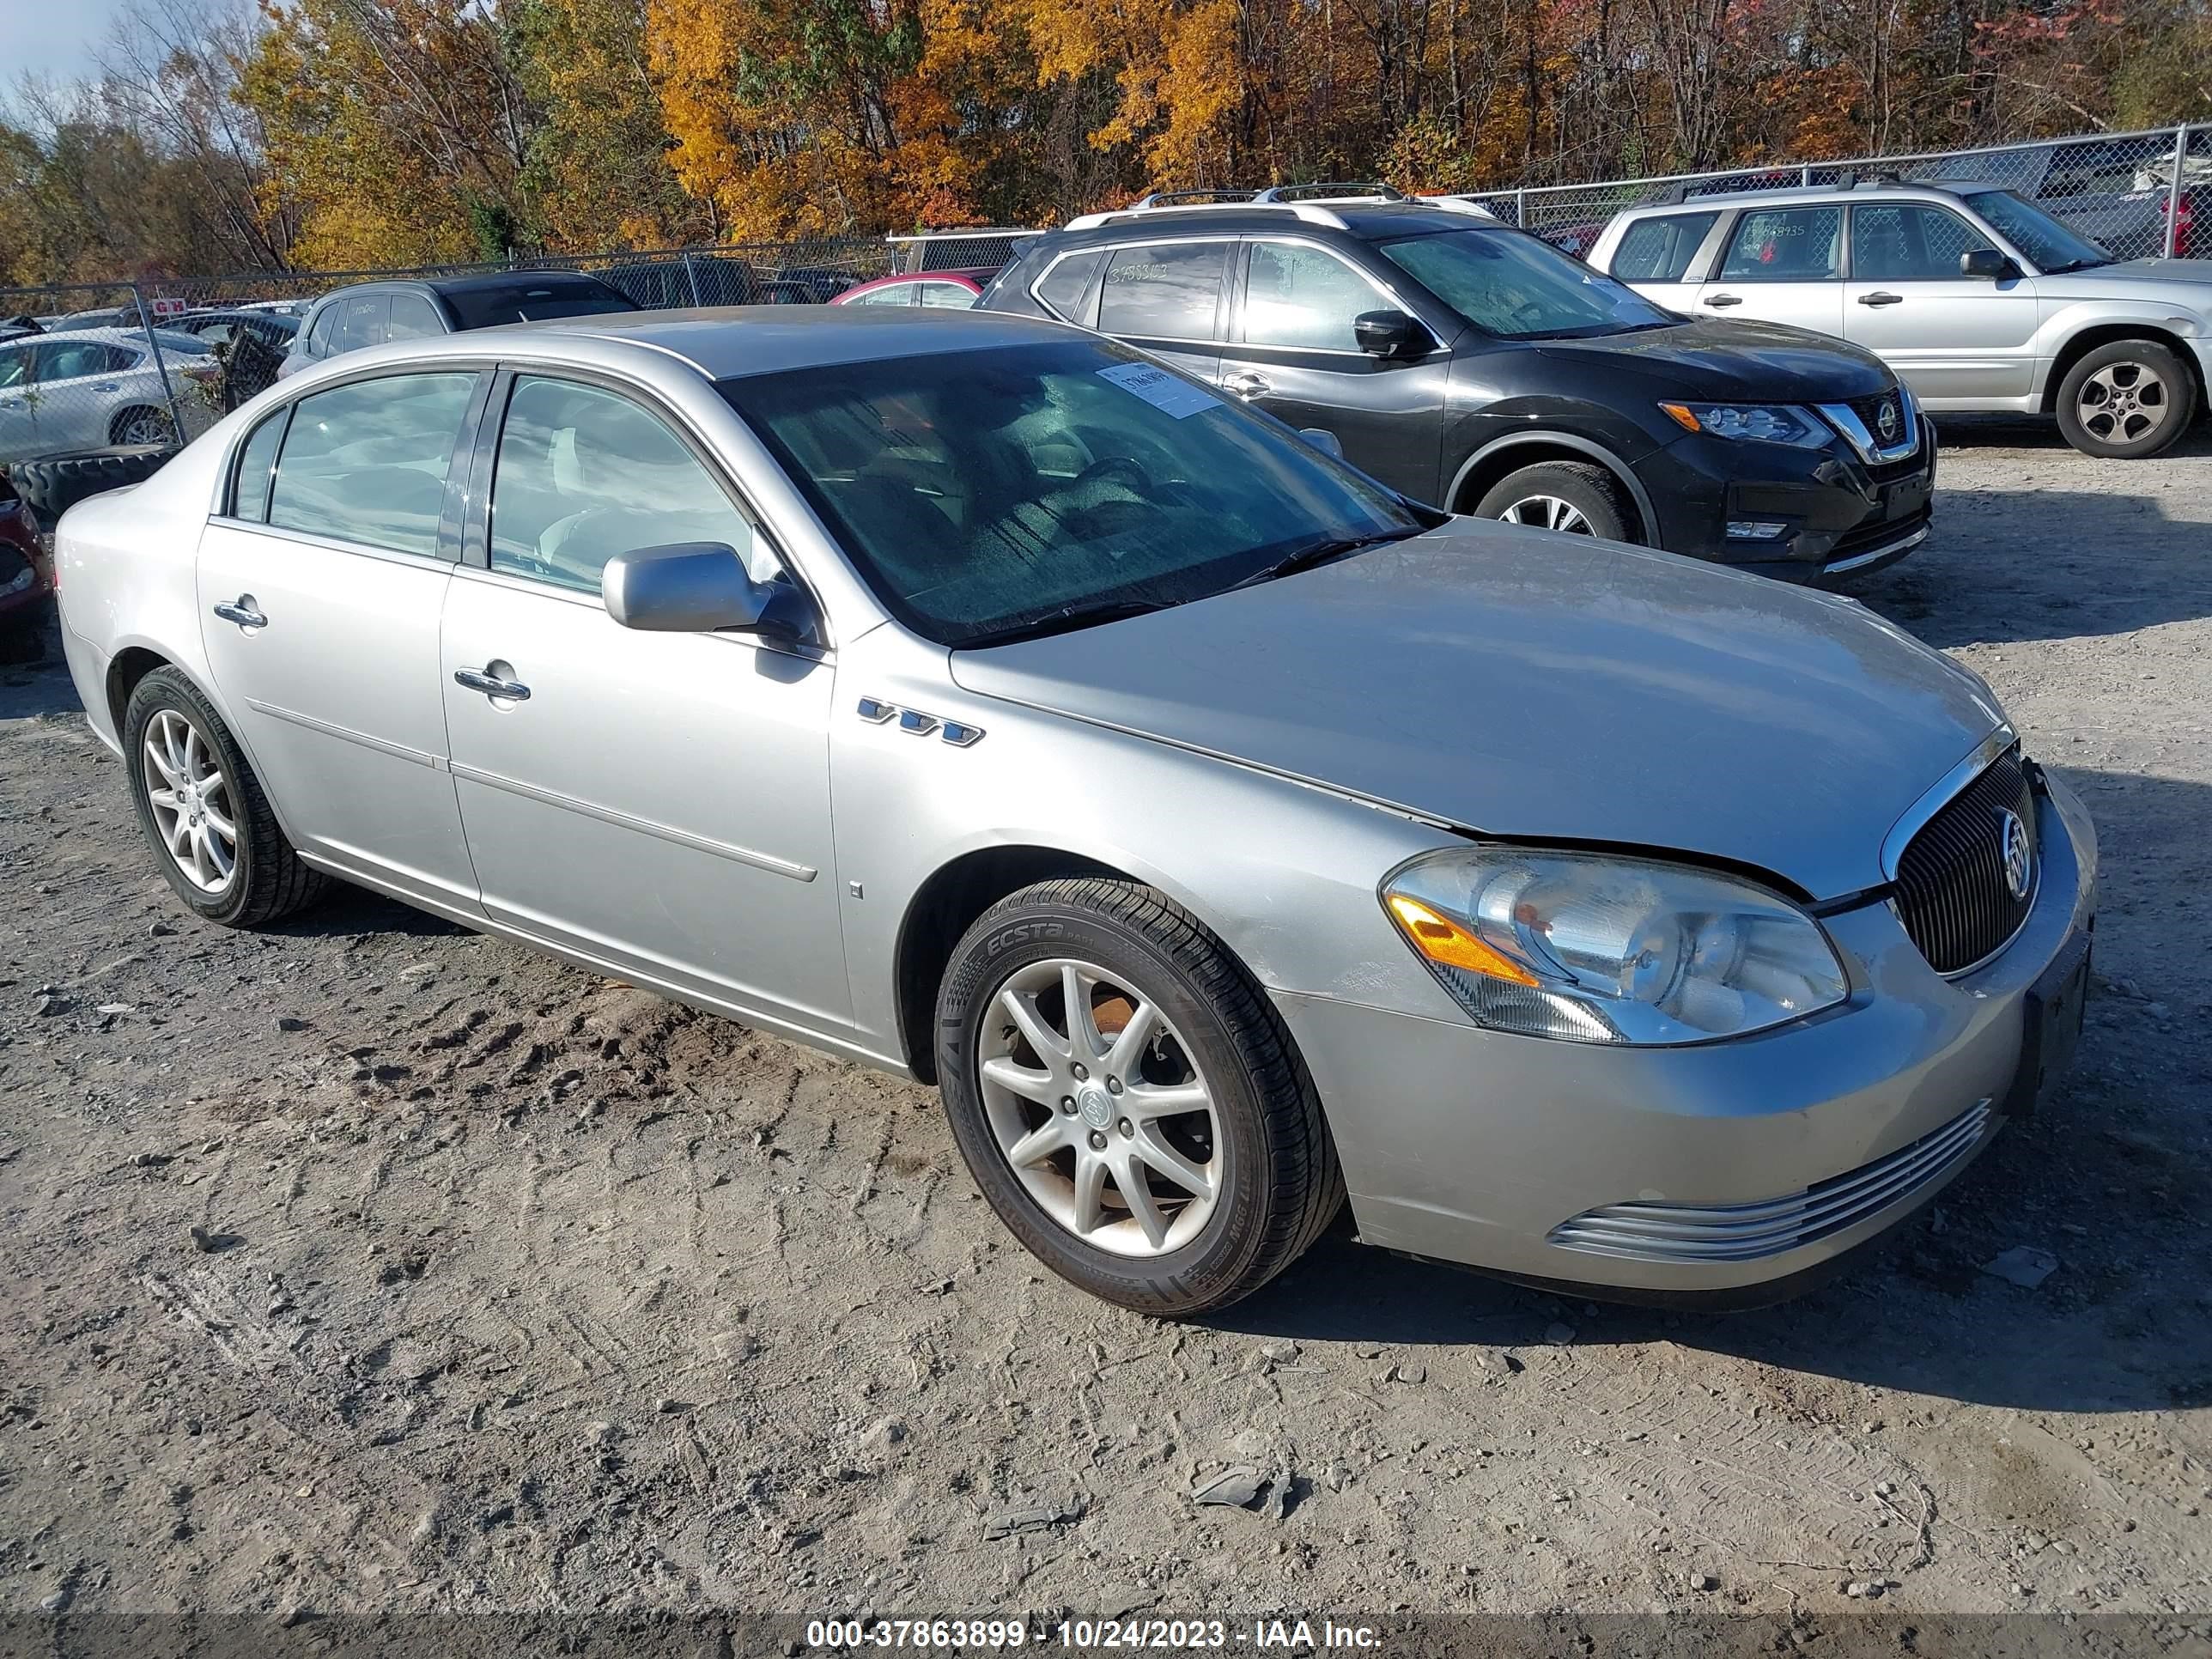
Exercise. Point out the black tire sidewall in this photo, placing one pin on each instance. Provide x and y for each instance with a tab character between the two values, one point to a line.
1183	1280
2168	367
1587	486
166	689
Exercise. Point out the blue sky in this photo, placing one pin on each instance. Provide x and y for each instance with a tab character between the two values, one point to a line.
54	37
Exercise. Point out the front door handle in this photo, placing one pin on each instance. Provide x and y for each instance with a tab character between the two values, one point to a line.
243	612
1723	299
1248	385
1881	299
491	685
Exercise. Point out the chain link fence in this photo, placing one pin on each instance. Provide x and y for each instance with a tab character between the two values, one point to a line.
2141	195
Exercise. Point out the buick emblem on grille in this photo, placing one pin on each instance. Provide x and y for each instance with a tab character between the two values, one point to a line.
1886	419
2019	856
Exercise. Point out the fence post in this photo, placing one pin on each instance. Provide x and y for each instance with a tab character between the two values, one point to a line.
1520	209
691	275
1805	176
161	362
2174	192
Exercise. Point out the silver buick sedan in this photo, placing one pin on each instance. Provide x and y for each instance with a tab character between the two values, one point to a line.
1220	833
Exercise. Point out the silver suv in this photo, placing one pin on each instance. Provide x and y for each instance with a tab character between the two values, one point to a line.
1977	298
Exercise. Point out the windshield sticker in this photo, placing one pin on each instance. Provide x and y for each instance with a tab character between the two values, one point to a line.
1163	391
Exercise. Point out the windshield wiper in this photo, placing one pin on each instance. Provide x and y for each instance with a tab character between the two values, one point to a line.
2078	264
1321	552
1066	620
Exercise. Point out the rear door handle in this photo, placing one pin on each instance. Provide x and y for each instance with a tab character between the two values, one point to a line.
243	612
1248	385
1881	299
491	685
1724	298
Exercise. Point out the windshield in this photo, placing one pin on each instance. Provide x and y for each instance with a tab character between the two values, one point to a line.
1517	288
531	302
2052	246
982	493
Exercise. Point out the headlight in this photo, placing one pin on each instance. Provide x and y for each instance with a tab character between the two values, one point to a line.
1595	949
1770	423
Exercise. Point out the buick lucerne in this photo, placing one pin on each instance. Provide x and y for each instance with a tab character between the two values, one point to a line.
1222	834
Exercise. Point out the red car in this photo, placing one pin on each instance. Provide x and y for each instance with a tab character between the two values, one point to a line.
954	288
25	578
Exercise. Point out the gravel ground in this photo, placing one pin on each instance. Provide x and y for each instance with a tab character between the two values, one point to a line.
371	1266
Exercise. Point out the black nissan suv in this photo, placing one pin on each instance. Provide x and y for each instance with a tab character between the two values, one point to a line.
1471	366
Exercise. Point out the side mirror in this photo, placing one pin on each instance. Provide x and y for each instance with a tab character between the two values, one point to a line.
695	587
1987	264
1323	441
1389	333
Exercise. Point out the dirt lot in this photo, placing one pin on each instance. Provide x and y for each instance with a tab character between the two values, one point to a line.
514	1288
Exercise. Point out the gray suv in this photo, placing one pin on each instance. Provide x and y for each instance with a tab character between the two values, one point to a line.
371	314
1977	298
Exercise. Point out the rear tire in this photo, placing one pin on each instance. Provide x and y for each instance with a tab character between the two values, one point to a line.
141	427
2126	401
1198	1028
247	878
1577	498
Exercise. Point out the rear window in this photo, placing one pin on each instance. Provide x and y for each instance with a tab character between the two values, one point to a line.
531	302
1660	250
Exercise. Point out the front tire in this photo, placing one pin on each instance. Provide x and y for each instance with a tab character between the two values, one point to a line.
203	811
1128	1101
2126	401
1577	498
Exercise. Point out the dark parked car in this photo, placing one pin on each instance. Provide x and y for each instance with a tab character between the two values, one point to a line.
370	313
26	578
702	279
1474	366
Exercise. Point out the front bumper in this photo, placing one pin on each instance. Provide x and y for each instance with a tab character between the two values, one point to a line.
1515	1154
1841	514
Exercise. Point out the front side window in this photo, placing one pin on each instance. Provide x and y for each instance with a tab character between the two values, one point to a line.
1908	242
2052	246
1511	285
1786	244
585	474
366	318
1061	290
1163	293
992	492
257	460
1660	250
1296	296
367	462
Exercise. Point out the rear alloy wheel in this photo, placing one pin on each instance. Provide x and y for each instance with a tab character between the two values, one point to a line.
142	427
204	812
1128	1100
1575	498
2126	401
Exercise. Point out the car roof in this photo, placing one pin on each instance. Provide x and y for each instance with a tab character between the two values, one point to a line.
732	342
1368	221
110	335
1817	196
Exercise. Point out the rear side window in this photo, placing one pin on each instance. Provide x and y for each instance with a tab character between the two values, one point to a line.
77	359
1660	250
323	334
898	294
950	295
1786	244
367	316
1163	293
414	318
1062	288
367	462
256	462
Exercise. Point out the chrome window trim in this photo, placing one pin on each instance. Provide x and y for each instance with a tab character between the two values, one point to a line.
1939	796
334	543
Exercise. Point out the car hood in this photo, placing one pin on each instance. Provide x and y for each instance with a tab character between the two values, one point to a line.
2138	278
1743	361
1516	682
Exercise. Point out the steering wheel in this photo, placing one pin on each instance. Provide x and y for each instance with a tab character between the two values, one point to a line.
1130	471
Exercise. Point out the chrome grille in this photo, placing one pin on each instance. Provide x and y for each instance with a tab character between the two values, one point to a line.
1951	891
1645	1231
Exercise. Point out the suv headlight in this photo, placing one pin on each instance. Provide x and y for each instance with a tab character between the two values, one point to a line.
1597	948
1770	423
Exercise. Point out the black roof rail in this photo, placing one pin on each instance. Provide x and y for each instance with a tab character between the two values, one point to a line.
1160	198
1672	196
1374	187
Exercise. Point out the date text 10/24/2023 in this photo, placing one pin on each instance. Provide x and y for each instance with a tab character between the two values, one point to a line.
1093	1635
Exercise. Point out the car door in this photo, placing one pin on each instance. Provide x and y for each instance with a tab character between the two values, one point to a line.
19	429
658	801
320	587
1655	255
1781	264
1952	339
1168	299
1293	352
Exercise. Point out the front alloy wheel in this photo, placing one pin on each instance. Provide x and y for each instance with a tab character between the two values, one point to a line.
1547	513
2126	400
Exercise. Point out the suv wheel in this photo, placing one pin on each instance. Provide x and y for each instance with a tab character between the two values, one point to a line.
1128	1101
205	815
2126	400
1577	498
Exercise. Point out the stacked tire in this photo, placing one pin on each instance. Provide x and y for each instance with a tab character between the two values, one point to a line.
52	487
